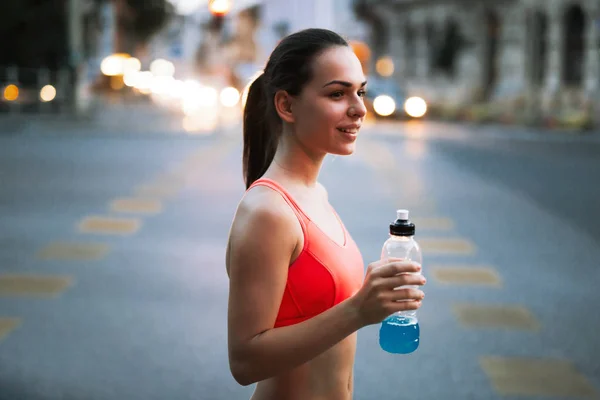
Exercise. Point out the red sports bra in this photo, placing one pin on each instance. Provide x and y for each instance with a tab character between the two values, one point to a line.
324	274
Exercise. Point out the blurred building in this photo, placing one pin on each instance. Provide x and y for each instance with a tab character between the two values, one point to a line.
57	50
177	42
53	49
256	26
280	18
530	61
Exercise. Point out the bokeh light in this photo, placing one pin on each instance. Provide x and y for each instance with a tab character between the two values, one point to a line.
143	81
11	93
48	93
114	65
230	97
208	96
190	106
219	7
162	67
385	66
161	84
177	89
415	107
384	105
131	65
131	78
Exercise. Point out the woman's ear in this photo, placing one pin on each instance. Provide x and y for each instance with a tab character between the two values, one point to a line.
283	106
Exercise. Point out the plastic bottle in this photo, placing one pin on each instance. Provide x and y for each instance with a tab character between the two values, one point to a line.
399	333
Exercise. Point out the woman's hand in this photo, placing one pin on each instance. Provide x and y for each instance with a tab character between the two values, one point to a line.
377	299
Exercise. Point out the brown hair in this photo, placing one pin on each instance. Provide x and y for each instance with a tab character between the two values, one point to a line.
289	69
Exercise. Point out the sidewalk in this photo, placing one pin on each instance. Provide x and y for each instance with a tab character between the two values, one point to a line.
442	130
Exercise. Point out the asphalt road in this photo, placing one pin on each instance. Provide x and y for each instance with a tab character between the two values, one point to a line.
112	279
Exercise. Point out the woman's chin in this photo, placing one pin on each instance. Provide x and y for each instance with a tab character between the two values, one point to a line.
345	150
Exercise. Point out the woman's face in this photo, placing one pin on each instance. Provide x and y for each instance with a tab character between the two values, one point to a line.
330	109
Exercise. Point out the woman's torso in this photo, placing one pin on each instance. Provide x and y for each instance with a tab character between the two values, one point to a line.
327	268
326	377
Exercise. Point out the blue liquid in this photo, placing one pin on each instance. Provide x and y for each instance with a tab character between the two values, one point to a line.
399	335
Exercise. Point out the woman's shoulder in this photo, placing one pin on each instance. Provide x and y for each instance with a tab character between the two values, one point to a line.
263	225
259	199
264	206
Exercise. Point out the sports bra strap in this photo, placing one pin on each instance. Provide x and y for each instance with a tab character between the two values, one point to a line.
302	218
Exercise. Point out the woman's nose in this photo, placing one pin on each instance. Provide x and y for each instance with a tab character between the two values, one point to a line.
357	109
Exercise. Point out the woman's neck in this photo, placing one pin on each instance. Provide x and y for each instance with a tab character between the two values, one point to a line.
294	162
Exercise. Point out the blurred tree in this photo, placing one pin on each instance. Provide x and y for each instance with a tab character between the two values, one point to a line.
33	33
143	18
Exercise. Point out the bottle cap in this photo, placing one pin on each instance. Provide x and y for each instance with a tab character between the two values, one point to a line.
402	226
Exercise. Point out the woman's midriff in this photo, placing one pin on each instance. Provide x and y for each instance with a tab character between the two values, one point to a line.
327	377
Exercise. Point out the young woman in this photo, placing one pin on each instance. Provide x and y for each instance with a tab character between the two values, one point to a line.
298	291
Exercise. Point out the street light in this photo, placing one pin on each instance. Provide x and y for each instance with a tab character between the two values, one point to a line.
219	8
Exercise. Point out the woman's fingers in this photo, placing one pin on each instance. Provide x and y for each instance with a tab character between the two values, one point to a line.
405	294
394	268
403	280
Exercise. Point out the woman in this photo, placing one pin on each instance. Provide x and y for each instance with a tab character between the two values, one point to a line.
297	291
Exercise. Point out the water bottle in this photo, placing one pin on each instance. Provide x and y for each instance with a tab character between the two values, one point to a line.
399	333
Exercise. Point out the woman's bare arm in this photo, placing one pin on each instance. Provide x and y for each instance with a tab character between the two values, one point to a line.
263	238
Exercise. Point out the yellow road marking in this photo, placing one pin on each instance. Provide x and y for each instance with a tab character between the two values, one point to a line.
433	223
466	275
535	377
33	285
74	251
507	317
157	190
136	205
109	225
446	246
7	325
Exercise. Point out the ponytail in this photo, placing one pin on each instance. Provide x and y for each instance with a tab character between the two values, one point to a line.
260	135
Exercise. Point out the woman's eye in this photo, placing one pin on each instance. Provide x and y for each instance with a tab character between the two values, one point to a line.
362	93
337	95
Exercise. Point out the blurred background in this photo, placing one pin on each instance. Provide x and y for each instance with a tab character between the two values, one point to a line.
515	62
120	173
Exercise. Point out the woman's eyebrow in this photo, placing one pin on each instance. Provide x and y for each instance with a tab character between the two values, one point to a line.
343	83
